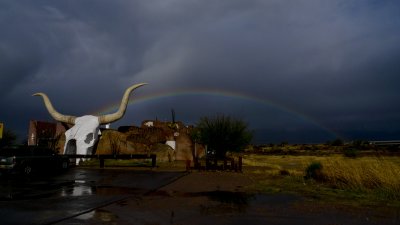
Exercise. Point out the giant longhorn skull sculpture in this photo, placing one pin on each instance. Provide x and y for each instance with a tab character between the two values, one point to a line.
86	128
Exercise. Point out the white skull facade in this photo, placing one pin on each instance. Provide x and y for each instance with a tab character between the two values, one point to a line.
81	138
85	133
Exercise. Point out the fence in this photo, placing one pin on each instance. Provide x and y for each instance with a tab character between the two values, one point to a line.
217	164
101	158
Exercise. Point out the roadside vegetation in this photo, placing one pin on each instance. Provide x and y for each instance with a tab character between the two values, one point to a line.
222	134
355	172
369	180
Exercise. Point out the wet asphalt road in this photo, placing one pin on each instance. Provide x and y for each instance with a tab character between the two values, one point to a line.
51	198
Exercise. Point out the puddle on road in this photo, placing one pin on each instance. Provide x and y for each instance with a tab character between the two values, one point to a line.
61	189
82	188
35	190
227	202
232	197
173	206
99	215
238	198
219	207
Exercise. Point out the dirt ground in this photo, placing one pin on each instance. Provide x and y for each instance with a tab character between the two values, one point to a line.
227	198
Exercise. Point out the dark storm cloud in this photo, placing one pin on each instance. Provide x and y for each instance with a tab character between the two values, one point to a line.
334	61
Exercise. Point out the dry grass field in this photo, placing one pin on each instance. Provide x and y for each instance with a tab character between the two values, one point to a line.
367	179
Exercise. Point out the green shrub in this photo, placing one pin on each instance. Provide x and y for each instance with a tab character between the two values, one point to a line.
337	142
314	171
223	133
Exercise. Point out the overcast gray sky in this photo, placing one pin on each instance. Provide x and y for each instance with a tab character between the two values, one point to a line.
295	70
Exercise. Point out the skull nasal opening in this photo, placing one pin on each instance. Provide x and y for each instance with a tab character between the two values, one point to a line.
71	147
89	138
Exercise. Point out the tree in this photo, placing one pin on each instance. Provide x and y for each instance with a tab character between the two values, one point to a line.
223	133
9	138
337	142
195	136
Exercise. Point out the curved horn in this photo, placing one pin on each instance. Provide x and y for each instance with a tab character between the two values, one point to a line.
104	119
56	115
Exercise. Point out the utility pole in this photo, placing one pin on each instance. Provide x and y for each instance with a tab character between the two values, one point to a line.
175	128
173	116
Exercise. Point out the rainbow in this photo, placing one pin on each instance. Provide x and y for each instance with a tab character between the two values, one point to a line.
112	107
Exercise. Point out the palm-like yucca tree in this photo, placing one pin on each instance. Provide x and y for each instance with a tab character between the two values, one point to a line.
223	133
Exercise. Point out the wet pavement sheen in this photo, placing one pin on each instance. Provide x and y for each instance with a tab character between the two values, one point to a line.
111	196
219	207
52	198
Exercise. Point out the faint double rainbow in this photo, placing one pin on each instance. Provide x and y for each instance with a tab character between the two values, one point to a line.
112	107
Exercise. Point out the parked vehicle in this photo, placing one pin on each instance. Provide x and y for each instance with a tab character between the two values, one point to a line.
28	159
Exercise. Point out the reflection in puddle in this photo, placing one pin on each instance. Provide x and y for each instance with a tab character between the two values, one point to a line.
230	202
240	202
227	202
80	181
86	216
239	198
80	190
220	202
99	215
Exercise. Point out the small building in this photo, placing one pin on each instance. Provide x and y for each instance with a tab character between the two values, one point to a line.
41	132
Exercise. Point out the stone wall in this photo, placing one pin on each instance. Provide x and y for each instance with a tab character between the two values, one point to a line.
149	140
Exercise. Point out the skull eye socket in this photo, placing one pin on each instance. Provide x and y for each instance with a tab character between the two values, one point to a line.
89	138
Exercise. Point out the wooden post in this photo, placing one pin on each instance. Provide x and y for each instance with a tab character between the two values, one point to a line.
101	163
153	160
240	163
188	165
198	165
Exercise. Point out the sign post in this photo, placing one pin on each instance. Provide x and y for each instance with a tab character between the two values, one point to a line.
1	130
